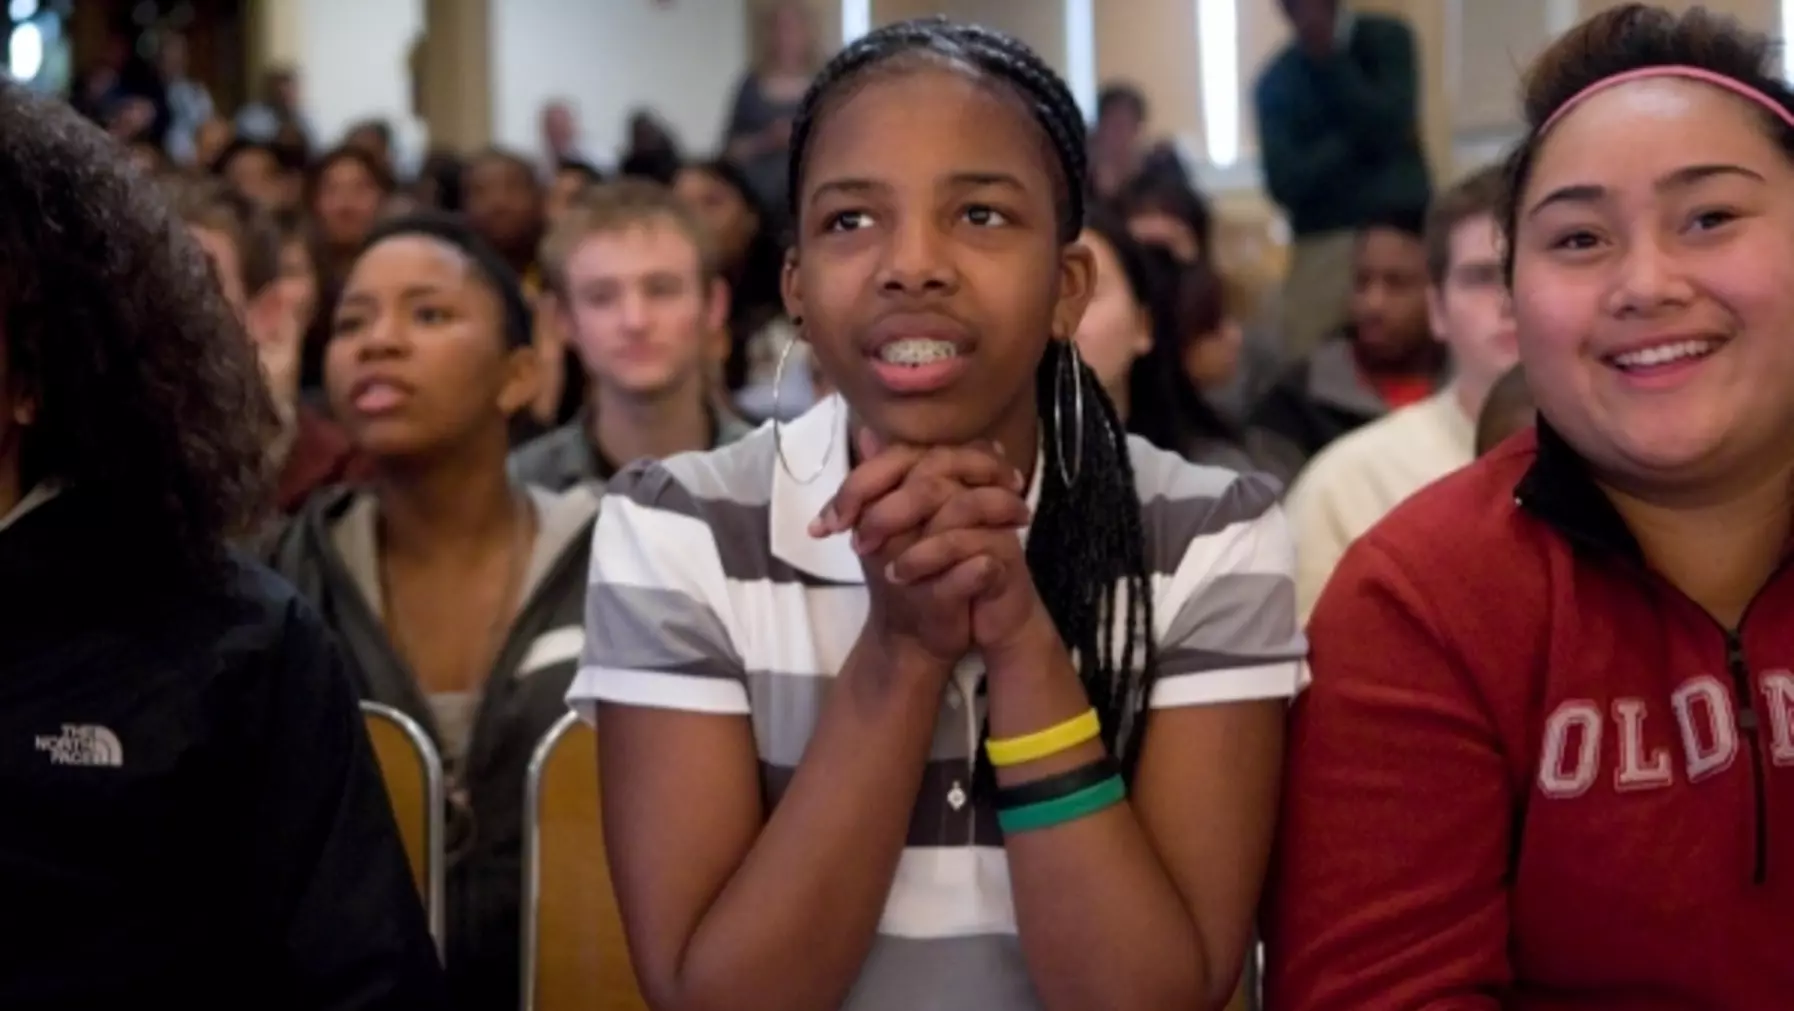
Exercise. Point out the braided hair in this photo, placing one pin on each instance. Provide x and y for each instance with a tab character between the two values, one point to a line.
1086	545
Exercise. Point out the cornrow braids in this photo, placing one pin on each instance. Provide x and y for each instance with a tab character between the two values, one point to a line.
1087	550
1086	545
985	52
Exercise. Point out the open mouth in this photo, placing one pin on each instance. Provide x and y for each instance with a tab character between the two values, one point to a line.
916	352
911	366
377	396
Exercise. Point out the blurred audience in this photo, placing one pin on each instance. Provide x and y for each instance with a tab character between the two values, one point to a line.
750	256
189	101
1357	480
633	274
758	134
1339	139
450	586
278	109
273	296
1139	335
1120	155
1383	359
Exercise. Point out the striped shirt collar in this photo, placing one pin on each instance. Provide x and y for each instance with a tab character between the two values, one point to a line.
817	443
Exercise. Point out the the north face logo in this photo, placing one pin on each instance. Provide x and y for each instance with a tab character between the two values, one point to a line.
84	745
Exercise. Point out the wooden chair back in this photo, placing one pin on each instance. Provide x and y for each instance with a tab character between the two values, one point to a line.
575	957
412	770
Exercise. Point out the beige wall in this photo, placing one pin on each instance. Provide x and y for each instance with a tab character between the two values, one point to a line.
275	35
1152	45
1487	47
454	71
824	14
1039	23
1760	14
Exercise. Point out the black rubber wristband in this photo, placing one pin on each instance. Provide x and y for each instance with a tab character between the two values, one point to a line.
1061	784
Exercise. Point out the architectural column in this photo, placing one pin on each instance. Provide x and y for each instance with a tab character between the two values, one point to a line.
452	71
276	37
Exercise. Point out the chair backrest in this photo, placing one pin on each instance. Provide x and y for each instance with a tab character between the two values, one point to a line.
412	769
575	957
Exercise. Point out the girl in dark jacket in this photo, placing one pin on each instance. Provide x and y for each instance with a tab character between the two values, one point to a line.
193	815
457	593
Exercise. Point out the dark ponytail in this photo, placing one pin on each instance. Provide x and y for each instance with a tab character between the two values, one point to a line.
1086	547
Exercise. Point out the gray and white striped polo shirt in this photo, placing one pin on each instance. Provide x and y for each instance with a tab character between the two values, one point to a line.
708	594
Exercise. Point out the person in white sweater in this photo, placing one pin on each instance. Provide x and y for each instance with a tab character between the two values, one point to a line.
1358	479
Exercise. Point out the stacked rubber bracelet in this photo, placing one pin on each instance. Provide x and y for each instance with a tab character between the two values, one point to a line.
1060	798
1044	743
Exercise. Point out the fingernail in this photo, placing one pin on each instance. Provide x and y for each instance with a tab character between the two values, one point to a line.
856	543
825	520
816	527
1001	452
891	574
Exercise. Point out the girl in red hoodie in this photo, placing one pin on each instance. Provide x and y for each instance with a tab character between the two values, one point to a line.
1547	759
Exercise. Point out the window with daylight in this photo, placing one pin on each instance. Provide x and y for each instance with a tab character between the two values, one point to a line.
1218	48
856	19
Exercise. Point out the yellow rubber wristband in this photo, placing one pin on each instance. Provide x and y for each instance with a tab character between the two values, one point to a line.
1054	739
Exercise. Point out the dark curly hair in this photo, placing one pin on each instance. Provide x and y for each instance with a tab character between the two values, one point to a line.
1632	37
1088	574
1174	198
149	396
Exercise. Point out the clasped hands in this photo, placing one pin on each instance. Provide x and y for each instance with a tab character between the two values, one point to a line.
936	532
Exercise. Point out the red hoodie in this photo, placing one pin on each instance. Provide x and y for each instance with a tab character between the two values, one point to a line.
1529	774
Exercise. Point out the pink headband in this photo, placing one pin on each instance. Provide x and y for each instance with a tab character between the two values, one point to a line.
1738	88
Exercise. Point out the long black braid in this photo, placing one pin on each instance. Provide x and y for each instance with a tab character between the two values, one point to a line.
1086	546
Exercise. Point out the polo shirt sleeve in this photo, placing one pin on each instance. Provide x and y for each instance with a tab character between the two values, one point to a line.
655	604
1225	615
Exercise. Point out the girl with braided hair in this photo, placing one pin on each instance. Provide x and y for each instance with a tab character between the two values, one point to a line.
948	693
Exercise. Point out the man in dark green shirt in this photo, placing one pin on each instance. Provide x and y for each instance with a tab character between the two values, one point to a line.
1339	136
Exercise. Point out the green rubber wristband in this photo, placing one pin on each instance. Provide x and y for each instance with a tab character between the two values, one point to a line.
1071	807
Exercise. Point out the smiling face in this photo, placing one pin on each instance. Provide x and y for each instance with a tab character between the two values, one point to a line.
417	363
928	268
1654	285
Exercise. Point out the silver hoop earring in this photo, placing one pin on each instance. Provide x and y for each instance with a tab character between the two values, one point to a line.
778	424
1069	361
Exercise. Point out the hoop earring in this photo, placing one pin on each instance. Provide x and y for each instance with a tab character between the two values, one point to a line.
1069	360
778	439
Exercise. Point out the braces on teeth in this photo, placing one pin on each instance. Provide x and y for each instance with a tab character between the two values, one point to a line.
917	352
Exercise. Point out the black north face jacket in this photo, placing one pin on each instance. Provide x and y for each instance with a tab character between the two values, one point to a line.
190	813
